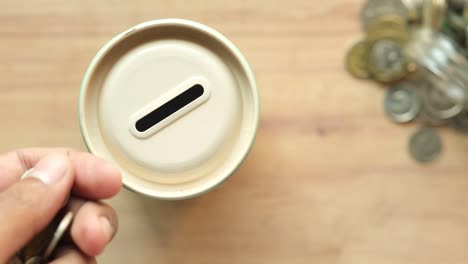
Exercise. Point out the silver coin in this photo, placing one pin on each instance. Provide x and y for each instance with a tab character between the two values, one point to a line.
61	229
401	104
437	102
460	122
426	117
34	260
387	54
444	65
438	56
387	59
419	51
451	49
370	9
425	145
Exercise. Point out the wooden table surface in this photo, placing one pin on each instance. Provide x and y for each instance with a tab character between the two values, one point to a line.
329	179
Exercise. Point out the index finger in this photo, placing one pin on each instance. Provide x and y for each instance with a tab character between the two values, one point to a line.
95	178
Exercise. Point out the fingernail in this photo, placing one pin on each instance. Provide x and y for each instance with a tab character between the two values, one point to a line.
49	170
107	227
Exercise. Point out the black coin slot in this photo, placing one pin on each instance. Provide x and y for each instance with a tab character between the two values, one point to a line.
169	108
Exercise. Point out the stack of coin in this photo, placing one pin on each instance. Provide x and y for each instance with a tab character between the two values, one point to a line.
417	48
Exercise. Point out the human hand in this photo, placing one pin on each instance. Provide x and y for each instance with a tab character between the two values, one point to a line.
27	206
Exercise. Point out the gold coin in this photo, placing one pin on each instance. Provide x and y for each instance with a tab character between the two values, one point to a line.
357	59
388	27
388	33
389	20
385	25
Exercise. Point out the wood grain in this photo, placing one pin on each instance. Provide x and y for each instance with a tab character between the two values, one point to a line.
329	179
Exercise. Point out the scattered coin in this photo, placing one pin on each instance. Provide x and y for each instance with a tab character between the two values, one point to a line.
425	145
387	62
356	60
438	103
425	116
401	104
419	48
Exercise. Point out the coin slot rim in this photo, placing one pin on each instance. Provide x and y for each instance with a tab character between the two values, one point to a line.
162	100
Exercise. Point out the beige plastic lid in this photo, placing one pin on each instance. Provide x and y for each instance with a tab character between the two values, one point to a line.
174	104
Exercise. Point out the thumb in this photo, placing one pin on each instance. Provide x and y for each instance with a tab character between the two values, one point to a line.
27	207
